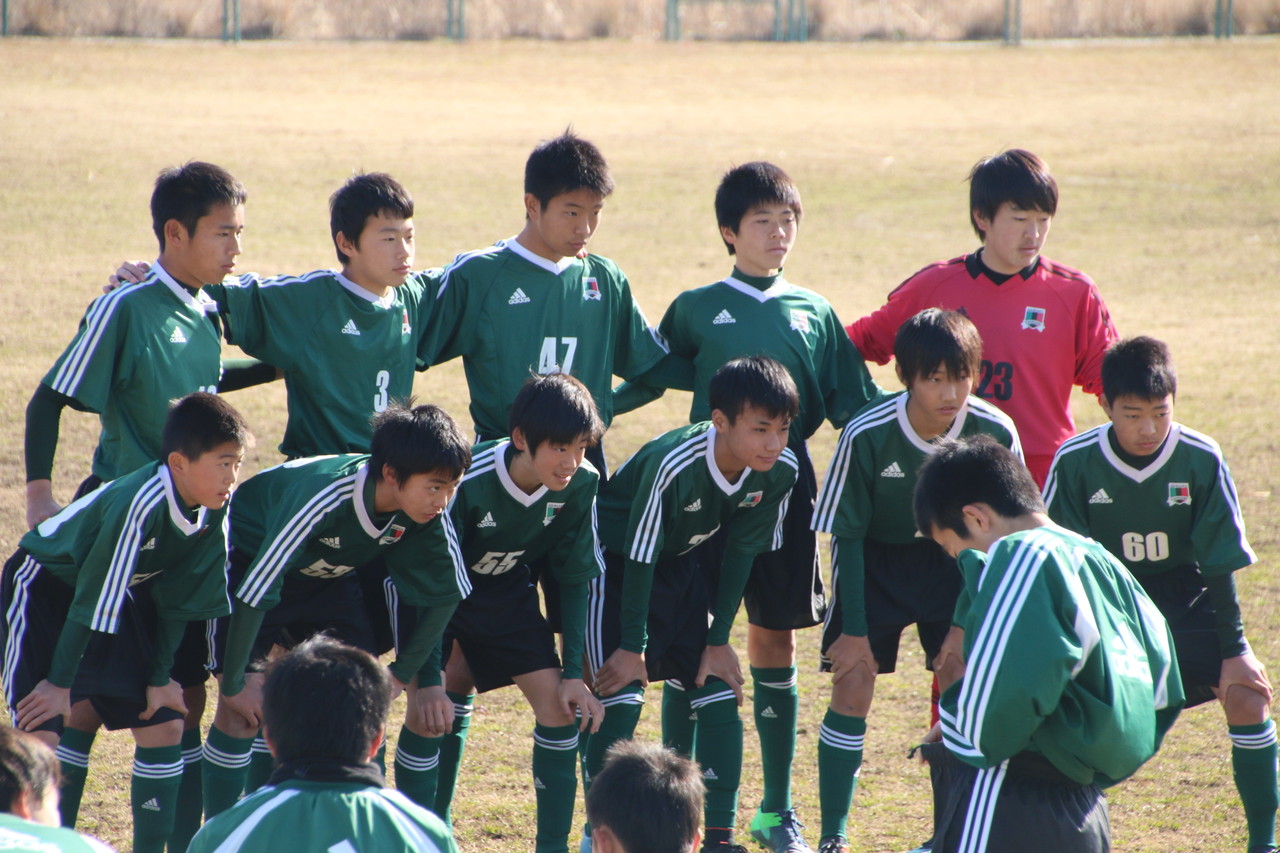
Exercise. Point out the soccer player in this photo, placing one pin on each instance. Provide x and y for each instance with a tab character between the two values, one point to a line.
324	710
646	799
649	613
756	311
1160	498
298	532
1071	678
527	497
97	598
1044	326
887	577
29	799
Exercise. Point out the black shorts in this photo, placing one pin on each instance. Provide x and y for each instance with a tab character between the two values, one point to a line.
913	584
501	631
114	669
1025	805
678	616
1181	596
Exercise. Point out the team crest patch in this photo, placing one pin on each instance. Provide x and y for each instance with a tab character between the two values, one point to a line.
590	289
1033	318
1179	493
751	499
552	511
405	328
800	321
393	534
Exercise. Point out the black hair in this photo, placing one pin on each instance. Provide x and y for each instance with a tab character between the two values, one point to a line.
200	422
565	164
188	192
648	796
362	197
1016	176
969	471
27	767
936	338
418	440
746	187
325	700
556	407
757	381
1139	367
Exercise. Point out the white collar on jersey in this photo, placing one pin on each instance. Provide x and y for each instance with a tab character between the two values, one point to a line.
779	287
514	245
904	423
719	478
362	511
200	301
176	514
504	476
385	301
1138	476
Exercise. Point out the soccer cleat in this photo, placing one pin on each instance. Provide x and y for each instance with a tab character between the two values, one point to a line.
584	846
833	844
779	831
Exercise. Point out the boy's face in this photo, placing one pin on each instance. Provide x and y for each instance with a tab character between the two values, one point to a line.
209	254
1013	237
564	227
555	464
208	480
935	400
421	496
984	527
382	256
1140	425
753	440
764	238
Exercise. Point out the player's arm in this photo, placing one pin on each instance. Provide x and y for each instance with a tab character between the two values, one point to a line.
420	653
241	373
846	383
626	664
44	416
852	649
673	371
1239	665
638	347
1095	333
873	334
452	314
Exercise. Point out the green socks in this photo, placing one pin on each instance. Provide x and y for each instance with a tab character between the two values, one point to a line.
839	760
418	767
451	749
677	718
260	766
157	774
555	782
622	712
190	808
223	770
718	749
777	704
73	756
1253	762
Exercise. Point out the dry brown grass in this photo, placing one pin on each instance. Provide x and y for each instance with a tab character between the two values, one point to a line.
1171	185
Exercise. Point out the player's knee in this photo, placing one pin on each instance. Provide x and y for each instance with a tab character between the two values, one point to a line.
851	695
1244	706
769	648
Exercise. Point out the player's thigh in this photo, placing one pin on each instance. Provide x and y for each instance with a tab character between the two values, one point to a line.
542	690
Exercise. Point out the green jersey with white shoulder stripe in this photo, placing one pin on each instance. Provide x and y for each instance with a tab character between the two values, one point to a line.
508	312
1180	509
137	348
18	835
346	353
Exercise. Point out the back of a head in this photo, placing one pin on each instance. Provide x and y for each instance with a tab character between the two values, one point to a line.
757	381
971	470
27	768
199	422
1139	367
936	338
188	192
361	197
555	407
565	164
751	185
418	440
649	797
1015	176
325	701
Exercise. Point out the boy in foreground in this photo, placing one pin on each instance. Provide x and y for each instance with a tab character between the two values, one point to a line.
649	613
98	596
1159	496
1071	679
29	799
886	576
647	799
324	712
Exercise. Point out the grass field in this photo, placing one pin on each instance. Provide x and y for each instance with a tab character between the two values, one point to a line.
1166	152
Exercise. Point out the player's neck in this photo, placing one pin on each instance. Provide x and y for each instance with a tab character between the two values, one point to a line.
520	467
529	239
361	282
923	423
181	273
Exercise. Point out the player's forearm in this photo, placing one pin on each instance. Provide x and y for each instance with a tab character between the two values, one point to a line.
632	395
242	630
734	571
573	621
852	573
44	415
637	585
1226	607
238	373
168	635
72	641
419	654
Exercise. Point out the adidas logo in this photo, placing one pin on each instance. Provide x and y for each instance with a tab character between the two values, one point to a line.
152	805
177	337
769	714
487	521
708	774
350	328
150	546
723	317
1100	497
892	471
537	784
695	506
331	541
518	298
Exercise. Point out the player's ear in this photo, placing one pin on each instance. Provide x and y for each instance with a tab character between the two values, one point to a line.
345	246
377	742
897	368
518	439
532	206
389	475
174	232
1104	405
603	841
976	518
729	235
984	223
177	462
720	420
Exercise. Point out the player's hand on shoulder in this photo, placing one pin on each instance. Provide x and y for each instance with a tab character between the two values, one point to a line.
622	668
848	653
1245	671
42	704
167	696
576	697
129	272
722	662
430	710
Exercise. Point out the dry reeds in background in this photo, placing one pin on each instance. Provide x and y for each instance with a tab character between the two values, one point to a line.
831	20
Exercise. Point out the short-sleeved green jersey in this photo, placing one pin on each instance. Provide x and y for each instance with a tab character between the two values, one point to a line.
730	319
867	491
25	836
127	531
137	348
346	353
315	517
1065	655
507	311
502	527
1180	509
324	816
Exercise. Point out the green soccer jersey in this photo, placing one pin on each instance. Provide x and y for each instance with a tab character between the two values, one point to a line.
25	836
137	348
669	498
507	312
346	353
1180	509
1065	656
